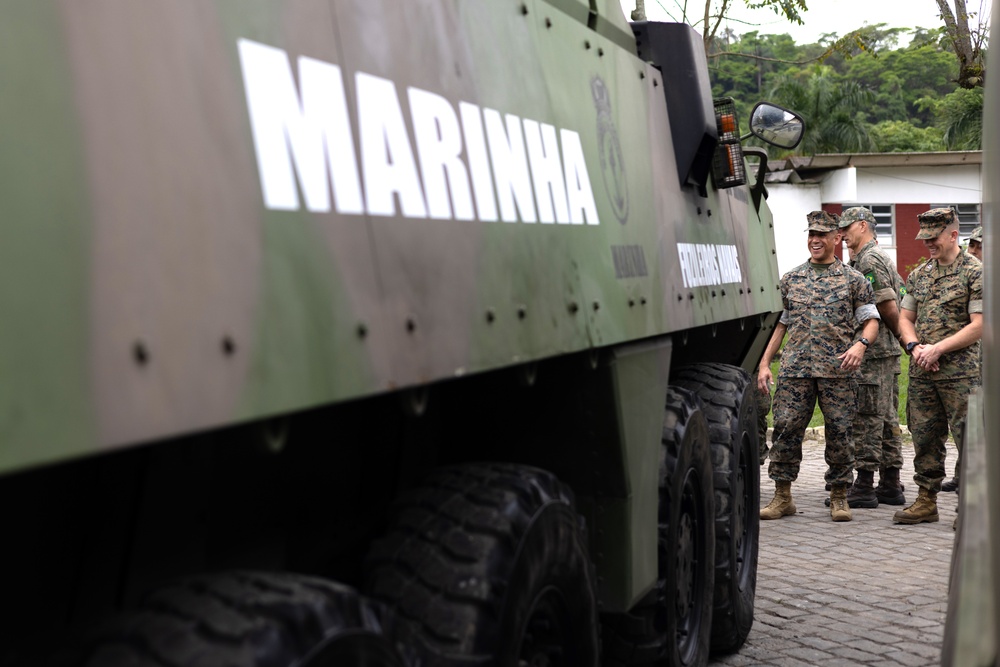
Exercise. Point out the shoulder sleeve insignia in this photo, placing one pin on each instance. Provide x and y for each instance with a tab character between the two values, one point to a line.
871	277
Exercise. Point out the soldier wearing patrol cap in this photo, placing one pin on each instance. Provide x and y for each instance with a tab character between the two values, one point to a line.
877	441
976	250
825	303
976	243
941	323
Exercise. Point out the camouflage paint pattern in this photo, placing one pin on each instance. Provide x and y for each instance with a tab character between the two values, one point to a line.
149	292
795	399
943	298
821	310
935	407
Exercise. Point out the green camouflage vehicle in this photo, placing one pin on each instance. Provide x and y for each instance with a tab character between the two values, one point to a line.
348	331
972	631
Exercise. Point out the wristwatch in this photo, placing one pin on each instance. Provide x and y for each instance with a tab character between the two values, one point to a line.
910	346
864	341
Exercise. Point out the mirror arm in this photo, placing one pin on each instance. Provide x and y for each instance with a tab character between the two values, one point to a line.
758	189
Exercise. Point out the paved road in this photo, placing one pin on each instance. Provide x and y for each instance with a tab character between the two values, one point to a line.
864	592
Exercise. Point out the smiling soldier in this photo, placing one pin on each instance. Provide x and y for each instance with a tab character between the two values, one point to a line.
825	303
941	322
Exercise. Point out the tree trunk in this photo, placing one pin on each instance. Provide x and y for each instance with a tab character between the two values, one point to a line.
970	70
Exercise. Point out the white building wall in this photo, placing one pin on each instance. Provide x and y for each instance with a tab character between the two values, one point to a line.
789	205
840	185
959	184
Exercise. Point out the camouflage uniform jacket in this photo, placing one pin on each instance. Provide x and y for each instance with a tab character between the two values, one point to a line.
875	265
822	312
944	297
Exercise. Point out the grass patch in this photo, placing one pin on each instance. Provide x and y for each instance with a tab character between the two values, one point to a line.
817	418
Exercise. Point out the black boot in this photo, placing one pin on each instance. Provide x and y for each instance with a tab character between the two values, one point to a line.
862	493
889	491
950	485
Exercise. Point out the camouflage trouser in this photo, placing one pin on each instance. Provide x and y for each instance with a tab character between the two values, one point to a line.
934	406
877	442
892	441
763	407
794	400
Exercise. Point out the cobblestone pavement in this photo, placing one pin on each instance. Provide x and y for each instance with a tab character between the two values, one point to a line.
864	592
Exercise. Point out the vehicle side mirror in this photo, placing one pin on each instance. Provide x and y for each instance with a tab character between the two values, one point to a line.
778	127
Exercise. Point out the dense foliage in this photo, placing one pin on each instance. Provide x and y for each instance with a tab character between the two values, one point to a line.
872	96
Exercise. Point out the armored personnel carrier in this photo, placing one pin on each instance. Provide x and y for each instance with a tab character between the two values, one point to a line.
357	332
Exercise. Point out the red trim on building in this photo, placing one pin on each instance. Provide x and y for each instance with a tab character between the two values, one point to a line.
836	209
909	251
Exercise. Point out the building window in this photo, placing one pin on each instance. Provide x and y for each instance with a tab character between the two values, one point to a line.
968	218
884	229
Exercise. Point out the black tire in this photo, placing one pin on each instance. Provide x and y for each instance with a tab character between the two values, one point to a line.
489	562
244	619
672	624
731	409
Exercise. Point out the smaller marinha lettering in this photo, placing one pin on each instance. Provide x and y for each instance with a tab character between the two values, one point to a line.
705	264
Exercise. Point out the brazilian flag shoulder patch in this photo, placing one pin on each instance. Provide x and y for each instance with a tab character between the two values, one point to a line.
871	277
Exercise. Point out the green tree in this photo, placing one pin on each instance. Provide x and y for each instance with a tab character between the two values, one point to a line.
895	136
960	118
830	106
902	77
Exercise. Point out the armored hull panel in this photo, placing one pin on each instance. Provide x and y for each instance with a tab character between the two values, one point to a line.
215	212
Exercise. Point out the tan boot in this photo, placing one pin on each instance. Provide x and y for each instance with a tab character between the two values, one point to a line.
924	510
839	509
781	505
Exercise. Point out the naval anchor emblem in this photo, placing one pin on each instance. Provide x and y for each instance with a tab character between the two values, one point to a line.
612	164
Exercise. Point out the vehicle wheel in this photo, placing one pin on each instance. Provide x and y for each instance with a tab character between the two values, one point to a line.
731	410
490	561
245	619
671	625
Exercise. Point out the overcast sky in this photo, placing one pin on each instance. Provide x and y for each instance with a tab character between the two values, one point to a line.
824	16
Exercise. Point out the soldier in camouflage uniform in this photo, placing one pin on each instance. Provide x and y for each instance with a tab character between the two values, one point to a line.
976	250
825	302
763	408
877	441
941	325
976	243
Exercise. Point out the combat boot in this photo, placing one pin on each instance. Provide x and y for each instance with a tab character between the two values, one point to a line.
839	509
781	505
861	493
924	510
889	491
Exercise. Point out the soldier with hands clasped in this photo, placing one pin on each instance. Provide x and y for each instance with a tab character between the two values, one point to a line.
941	325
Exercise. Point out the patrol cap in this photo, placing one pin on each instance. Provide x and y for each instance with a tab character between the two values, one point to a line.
821	221
854	214
934	221
977	235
